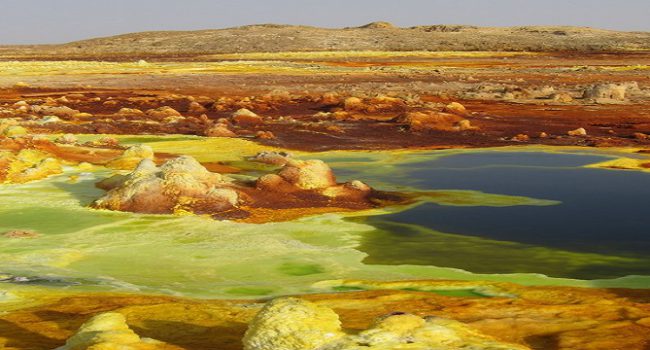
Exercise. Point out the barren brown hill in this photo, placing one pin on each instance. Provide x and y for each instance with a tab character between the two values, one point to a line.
378	36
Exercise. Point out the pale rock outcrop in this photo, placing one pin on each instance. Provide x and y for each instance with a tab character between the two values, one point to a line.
82	116
278	96
521	138
179	185
220	130
353	190
22	108
246	117
20	104
540	92
272	157
357	185
195	107
109	331
383	103
59	111
577	132
330	99
297	324
378	104
162	113
464	125
131	157
615	92
129	112
292	324
456	108
308	174
562	97
422	121
67	139
353	104
173	120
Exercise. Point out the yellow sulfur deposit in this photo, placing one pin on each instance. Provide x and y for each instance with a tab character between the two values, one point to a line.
131	157
27	165
292	324
109	331
296	324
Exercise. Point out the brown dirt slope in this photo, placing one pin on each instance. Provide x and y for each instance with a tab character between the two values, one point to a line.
372	37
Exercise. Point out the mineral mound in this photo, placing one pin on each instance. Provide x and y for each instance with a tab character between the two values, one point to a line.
297	324
109	331
183	185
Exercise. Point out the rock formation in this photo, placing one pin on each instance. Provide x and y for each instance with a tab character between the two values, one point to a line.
27	165
59	111
30	158
378	104
456	108
220	129
616	92
183	185
131	157
162	113
272	157
316	177
245	117
297	324
180	184
67	139
292	324
129	112
308	174
431	120
109	331
577	132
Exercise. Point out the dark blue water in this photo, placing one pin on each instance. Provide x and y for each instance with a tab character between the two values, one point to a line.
603	211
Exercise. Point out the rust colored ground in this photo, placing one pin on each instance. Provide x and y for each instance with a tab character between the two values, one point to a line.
540	317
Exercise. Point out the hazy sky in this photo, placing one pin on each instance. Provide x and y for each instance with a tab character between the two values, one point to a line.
54	21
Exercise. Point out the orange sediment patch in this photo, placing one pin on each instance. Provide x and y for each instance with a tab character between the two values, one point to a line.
568	318
265	215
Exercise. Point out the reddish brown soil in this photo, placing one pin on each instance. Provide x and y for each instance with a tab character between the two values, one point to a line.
498	120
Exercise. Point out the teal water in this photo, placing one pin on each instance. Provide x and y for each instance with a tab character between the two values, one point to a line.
601	212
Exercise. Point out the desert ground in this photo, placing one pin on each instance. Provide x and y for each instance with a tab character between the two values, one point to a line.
237	167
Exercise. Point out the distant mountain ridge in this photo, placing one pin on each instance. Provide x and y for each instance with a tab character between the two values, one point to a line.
376	36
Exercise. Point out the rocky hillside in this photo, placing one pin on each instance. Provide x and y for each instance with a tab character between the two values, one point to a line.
378	36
